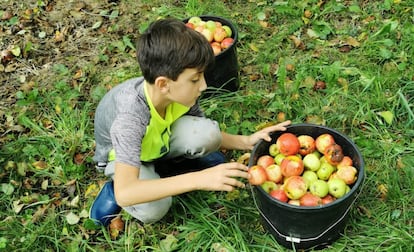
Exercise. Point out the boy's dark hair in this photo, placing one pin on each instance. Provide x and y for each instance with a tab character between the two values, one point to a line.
168	47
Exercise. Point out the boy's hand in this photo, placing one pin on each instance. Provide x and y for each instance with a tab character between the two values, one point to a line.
222	177
264	133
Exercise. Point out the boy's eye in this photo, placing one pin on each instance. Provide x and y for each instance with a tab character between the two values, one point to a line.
195	80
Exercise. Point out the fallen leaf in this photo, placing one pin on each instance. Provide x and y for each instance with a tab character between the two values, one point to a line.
91	191
72	218
39	165
17	206
387	115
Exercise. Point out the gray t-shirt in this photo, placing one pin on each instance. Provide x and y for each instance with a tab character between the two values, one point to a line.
121	119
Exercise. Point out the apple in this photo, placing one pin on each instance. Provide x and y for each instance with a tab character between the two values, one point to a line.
294	202
265	161
307	144
295	187
325	171
190	25
279	158
311	161
211	25
333	154
323	141
207	34
309	177
327	199
269	186
292	166
337	187
319	188
226	43
228	30
347	174
195	20
257	175
288	144
310	200
273	150
346	161
274	173
216	47
280	195
219	34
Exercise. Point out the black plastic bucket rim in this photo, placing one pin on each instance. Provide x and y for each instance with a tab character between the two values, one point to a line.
329	234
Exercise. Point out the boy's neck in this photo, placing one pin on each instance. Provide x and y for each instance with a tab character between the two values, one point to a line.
157	99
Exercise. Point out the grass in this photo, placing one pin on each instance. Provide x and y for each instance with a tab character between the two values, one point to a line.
360	49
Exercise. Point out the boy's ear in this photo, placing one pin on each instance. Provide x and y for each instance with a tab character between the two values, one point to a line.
162	83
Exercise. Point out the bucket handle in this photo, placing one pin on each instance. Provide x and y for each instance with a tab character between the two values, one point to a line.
297	239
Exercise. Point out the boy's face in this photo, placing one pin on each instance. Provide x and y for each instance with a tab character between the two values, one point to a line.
188	87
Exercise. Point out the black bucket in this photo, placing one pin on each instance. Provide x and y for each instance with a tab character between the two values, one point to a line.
225	73
299	227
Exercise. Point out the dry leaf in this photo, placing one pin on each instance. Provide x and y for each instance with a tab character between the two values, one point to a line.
39	165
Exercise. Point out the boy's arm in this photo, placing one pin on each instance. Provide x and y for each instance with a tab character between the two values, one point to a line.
241	142
130	190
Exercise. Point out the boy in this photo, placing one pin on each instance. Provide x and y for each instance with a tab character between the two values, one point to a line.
151	136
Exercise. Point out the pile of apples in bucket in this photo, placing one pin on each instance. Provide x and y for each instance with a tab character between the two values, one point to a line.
304	171
217	34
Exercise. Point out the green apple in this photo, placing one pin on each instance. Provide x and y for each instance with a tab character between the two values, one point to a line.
269	186
211	25
228	30
279	158
273	150
195	20
337	187
311	161
319	188
309	177
325	171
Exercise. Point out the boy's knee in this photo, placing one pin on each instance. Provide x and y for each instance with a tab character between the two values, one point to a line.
195	136
152	211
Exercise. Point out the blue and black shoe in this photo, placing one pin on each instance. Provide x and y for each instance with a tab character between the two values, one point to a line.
104	208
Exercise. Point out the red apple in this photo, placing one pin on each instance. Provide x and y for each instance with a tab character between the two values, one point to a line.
265	161
274	173
226	43
288	144
219	34
333	154
327	199
307	144
216	47
279	194
295	187
346	161
292	166
310	200
347	174
190	25
323	141
257	175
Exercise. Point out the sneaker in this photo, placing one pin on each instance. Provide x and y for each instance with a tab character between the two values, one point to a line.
104	208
